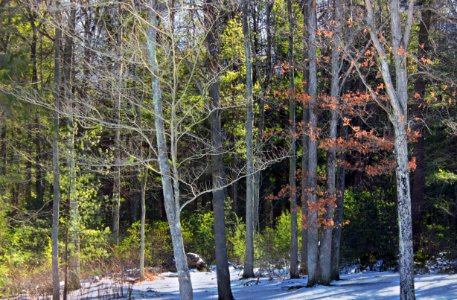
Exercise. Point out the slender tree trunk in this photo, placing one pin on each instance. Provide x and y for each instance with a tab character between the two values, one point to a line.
249	257
171	205
3	146
218	174
144	179
312	237
55	160
69	141
325	255
294	273
305	155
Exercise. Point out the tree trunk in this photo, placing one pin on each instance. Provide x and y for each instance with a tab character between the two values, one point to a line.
294	273
325	255
339	215
305	153
55	160
312	237
144	179
69	141
249	257
398	116
171	207
218	174
406	257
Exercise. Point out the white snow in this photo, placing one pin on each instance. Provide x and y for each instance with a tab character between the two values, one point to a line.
369	285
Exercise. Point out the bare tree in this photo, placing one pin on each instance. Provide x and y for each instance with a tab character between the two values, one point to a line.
397	112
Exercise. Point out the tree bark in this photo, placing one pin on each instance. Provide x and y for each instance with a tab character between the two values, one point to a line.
305	154
55	160
339	214
144	179
218	174
69	141
397	113
312	237
170	200
293	271
325	255
249	257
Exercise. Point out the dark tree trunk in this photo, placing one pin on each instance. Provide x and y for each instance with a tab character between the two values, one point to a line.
312	237
294	272
218	172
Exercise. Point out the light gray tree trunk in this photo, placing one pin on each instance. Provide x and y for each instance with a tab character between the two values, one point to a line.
170	199
249	256
312	237
397	113
325	255
55	158
294	273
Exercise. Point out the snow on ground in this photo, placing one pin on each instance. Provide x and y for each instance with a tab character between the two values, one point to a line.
369	285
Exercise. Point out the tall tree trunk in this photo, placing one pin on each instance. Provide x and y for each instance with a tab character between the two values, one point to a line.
69	141
38	169
218	174
117	162
418	189
305	155
398	116
325	255
249	257
144	179
266	83
55	159
294	273
312	237
171	205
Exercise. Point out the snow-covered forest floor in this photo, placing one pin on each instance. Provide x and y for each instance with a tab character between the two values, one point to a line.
367	285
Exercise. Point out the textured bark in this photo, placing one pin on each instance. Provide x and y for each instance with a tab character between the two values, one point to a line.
171	200
304	161
339	213
69	144
397	113
325	255
144	179
55	160
249	256
293	271
420	84
312	237
218	173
